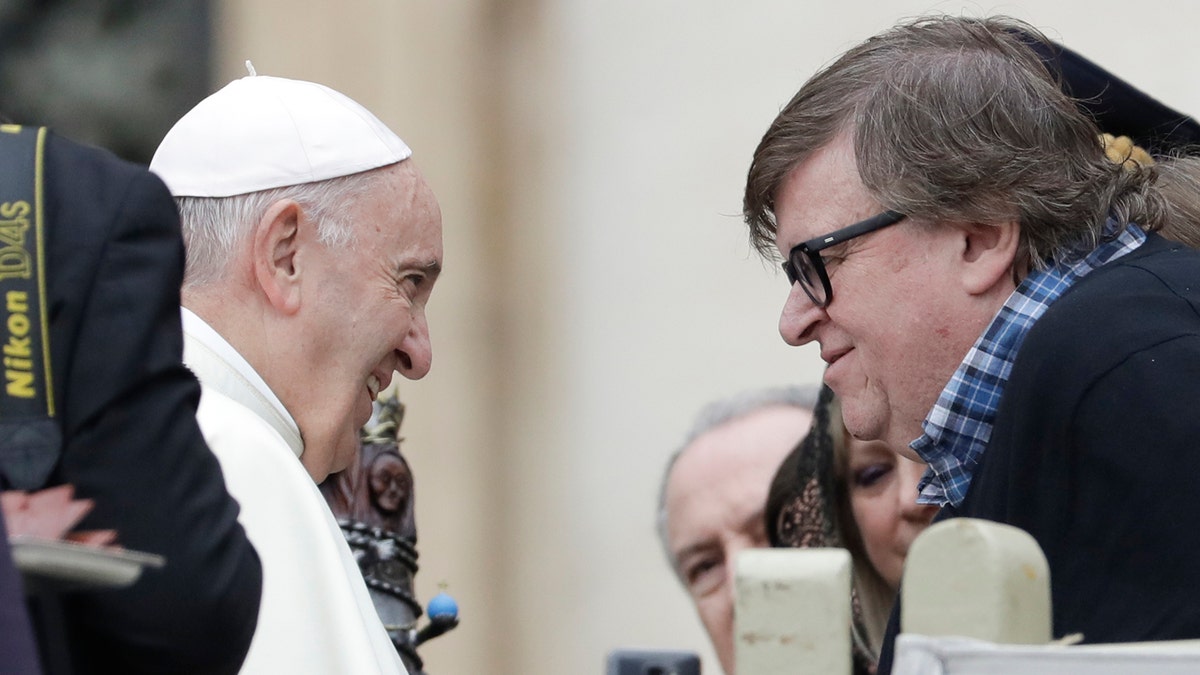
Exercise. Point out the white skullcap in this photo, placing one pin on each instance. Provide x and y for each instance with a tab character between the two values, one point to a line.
264	132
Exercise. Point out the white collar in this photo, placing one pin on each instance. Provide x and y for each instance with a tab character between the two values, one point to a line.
219	366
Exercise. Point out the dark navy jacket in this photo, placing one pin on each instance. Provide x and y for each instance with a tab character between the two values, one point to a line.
1096	450
114	262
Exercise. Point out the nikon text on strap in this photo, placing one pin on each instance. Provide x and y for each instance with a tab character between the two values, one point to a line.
30	438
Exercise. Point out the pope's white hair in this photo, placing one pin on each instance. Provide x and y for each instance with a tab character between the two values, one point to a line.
214	227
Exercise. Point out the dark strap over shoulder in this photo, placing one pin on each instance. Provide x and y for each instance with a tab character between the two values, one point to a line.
30	437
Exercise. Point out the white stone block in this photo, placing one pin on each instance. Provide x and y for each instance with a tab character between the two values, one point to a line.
979	579
792	612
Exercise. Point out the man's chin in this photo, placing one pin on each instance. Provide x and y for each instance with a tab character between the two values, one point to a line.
897	437
864	425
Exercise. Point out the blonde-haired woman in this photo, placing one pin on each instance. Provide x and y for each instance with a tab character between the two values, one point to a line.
835	490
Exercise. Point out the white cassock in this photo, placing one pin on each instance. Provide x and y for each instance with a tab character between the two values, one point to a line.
316	615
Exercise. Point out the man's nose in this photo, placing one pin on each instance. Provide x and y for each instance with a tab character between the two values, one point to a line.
799	317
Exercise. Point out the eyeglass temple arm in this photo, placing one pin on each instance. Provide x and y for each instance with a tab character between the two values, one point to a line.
873	223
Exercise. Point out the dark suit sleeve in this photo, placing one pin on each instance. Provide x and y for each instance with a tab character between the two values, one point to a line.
17	646
131	441
1129	557
1105	477
1108	487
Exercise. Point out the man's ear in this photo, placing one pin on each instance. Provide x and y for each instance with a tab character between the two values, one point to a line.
274	247
989	252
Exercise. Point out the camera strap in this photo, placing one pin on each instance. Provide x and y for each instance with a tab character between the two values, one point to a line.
30	437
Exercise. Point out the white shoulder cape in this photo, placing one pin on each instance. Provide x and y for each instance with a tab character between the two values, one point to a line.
316	616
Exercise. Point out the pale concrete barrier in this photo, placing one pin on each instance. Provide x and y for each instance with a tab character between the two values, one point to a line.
978	579
792	612
925	655
976	602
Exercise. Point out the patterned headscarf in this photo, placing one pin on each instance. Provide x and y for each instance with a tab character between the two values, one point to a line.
802	507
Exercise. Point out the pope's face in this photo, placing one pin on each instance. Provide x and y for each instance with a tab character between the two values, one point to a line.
363	314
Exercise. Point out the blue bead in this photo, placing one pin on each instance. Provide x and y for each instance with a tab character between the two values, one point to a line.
442	605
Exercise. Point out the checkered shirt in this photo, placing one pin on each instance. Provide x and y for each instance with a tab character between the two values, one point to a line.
959	426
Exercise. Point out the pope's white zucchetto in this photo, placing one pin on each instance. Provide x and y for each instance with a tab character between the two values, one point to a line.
262	132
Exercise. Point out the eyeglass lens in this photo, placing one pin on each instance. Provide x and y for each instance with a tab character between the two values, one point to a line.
800	269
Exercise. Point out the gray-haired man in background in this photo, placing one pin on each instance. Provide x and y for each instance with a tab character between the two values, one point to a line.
714	492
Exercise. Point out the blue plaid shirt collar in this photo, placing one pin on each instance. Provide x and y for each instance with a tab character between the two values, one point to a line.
959	426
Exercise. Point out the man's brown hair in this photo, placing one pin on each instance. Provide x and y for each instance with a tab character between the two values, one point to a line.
959	119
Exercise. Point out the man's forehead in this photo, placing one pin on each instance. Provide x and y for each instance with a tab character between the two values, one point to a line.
687	526
732	460
820	194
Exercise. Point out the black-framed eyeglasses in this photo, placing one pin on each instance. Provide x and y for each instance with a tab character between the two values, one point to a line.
804	264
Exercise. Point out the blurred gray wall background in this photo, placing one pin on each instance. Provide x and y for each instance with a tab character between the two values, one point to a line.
114	73
589	159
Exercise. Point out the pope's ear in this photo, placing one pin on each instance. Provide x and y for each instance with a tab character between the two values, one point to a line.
989	252
274	247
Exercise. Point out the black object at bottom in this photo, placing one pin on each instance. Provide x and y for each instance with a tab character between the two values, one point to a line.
652	662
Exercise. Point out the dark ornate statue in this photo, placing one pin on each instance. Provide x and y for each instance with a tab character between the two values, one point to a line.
373	502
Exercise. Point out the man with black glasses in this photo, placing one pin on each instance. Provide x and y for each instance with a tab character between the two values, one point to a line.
989	293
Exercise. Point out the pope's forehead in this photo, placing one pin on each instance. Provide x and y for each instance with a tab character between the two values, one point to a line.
402	190
414	184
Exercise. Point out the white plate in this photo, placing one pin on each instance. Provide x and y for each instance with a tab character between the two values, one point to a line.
77	565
